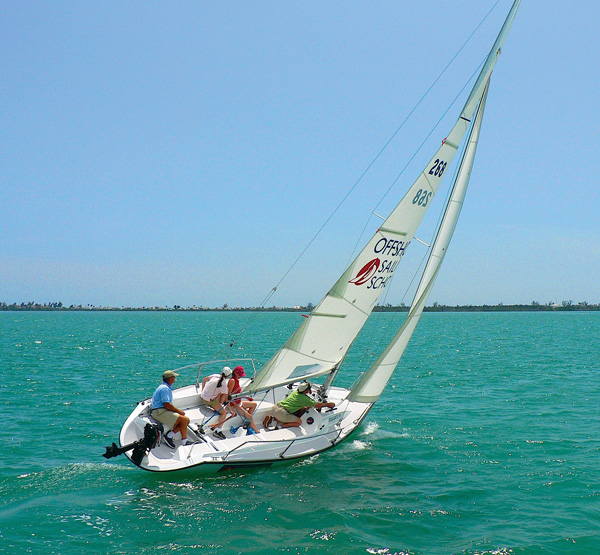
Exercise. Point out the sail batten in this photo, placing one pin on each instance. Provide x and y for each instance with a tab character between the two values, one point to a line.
392	232
323	315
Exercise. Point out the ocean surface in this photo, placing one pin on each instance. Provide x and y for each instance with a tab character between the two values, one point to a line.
486	441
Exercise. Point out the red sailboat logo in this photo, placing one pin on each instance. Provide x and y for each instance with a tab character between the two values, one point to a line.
366	272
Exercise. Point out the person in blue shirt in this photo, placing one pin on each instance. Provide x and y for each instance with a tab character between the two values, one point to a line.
166	412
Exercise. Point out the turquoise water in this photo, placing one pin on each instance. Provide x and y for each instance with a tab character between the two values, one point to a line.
486	441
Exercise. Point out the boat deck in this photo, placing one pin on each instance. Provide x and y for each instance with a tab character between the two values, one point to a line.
319	430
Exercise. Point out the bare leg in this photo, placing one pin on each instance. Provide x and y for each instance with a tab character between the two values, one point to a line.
181	426
249	406
247	416
222	416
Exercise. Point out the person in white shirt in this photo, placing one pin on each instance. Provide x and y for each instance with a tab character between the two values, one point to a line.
214	393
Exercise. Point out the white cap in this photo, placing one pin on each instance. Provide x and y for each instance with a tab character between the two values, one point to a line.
226	371
303	387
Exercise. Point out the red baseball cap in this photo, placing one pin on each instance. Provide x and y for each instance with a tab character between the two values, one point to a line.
239	370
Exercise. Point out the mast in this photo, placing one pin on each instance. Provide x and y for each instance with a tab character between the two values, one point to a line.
373	382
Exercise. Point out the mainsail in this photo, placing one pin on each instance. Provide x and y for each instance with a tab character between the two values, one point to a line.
322	341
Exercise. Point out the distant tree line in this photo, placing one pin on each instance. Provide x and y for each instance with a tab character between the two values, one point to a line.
32	306
436	307
501	307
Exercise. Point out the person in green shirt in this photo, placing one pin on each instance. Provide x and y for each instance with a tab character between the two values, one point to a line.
285	412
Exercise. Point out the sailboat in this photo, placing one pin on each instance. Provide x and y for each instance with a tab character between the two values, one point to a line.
318	347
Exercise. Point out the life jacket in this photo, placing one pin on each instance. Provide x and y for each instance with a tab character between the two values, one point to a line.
237	388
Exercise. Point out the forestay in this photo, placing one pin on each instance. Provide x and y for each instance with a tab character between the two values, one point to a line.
322	341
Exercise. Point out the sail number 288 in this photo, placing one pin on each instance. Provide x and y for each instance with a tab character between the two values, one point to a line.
438	168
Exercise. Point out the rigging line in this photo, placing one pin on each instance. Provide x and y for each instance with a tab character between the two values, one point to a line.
449	192
385	147
434	233
453	183
430	133
377	316
253	317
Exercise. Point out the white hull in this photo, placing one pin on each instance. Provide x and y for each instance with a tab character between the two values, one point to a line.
318	432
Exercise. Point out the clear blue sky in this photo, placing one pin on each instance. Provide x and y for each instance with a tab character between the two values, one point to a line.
185	153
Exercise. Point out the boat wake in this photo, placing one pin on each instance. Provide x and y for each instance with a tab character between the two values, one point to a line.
371	428
361	445
374	429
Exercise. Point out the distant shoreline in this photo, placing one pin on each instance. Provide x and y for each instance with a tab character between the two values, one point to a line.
565	306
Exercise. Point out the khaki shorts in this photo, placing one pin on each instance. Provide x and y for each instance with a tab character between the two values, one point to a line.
167	417
213	403
282	415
